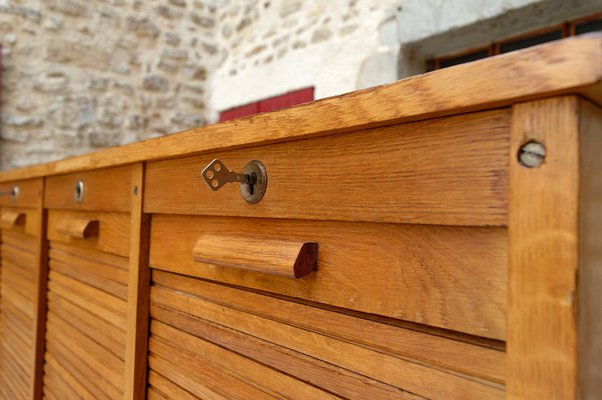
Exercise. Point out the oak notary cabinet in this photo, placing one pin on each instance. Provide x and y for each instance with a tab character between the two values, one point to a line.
436	238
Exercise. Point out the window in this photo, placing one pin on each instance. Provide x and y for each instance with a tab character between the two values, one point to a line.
270	104
572	28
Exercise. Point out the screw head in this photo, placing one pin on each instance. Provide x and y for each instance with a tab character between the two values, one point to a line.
531	154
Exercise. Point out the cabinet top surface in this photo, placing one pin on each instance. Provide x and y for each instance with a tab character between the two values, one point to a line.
570	66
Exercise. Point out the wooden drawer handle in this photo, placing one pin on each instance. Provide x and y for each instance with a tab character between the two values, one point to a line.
79	228
290	258
11	219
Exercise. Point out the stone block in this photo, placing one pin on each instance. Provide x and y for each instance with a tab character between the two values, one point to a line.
155	83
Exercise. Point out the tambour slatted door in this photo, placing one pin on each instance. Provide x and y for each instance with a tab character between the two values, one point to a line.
409	297
21	224
89	231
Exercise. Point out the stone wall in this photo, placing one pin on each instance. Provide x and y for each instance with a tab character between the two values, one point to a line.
79	75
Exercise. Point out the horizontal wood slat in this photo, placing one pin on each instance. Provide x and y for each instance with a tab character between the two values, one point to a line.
463	268
19	266
444	171
189	312
569	66
461	356
86	322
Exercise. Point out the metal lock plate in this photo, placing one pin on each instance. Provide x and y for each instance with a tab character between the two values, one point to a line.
253	180
14	193
78	191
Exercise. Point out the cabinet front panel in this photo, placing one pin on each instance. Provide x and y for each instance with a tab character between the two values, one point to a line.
450	171
214	341
448	277
19	268
102	190
28	193
86	323
110	233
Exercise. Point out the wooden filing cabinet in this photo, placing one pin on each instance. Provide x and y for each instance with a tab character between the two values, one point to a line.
89	240
437	238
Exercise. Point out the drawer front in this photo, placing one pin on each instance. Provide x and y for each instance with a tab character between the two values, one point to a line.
25	193
103	190
451	171
448	277
108	232
85	323
19	268
216	341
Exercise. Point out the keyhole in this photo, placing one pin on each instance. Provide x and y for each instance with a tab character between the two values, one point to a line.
79	191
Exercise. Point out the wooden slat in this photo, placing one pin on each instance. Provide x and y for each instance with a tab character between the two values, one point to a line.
86	375
196	370
567	66
105	334
427	348
95	281
56	381
391	370
84	301
96	355
113	236
463	268
168	388
443	171
255	373
105	190
138	292
590	253
86	255
543	223
92	266
330	377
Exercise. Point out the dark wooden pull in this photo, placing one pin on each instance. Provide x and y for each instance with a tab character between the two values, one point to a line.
290	258
80	228
11	219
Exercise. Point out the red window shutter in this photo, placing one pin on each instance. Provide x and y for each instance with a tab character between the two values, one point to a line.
238	112
270	104
287	100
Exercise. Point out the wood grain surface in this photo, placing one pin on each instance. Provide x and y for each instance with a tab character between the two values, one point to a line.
189	312
268	255
105	190
449	277
568	66
543	229
431	348
86	323
442	171
113	230
590	252
30	193
138	282
29	222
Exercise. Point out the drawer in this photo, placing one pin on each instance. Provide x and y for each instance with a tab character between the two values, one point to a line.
18	219
451	171
217	341
25	193
445	276
108	232
101	190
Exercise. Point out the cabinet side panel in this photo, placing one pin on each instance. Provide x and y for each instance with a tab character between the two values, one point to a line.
543	228
590	253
